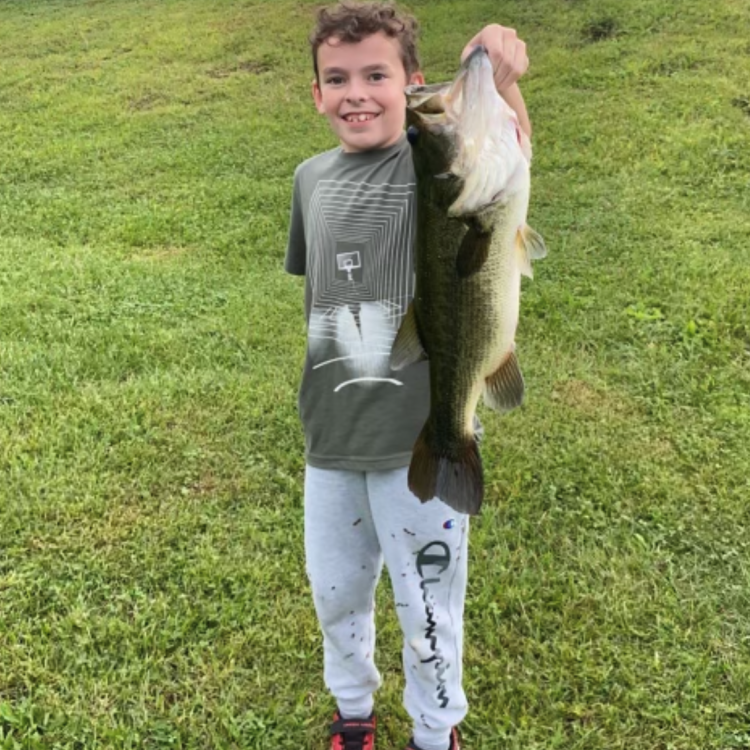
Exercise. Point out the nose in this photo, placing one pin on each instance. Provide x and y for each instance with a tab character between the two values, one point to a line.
356	91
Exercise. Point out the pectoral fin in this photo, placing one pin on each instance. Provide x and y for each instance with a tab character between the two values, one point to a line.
529	246
504	388
407	347
473	253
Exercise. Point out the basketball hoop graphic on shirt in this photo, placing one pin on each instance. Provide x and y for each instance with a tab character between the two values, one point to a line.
361	277
349	262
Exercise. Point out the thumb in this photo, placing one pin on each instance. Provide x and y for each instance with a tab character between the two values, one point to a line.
474	42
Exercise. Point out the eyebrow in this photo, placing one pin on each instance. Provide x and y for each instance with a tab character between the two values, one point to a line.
366	69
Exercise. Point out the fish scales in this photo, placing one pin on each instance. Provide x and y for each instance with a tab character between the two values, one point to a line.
472	334
473	245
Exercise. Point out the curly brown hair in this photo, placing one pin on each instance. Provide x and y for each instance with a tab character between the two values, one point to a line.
351	22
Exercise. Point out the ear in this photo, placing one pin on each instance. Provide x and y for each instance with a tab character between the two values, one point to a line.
318	97
416	79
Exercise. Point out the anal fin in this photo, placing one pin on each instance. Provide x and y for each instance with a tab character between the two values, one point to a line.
407	347
504	388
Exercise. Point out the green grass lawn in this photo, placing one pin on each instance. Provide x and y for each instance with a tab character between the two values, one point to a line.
152	584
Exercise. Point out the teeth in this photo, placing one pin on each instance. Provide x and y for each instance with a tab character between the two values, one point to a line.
360	118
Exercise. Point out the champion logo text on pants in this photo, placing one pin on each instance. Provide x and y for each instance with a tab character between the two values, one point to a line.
354	523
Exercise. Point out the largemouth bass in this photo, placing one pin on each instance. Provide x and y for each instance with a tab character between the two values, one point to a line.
473	245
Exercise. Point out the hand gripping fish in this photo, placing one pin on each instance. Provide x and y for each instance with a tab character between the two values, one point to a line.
472	165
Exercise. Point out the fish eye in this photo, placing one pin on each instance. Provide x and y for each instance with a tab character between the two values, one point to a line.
412	134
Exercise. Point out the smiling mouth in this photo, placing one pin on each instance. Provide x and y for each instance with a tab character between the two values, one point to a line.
355	117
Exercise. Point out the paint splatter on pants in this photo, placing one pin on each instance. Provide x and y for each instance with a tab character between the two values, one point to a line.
355	521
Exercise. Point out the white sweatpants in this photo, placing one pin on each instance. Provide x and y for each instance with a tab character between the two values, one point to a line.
353	522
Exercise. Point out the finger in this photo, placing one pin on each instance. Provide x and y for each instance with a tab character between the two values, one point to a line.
521	59
509	70
503	70
492	37
502	48
503	76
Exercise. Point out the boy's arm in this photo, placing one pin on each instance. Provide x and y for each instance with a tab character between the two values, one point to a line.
512	95
296	249
508	56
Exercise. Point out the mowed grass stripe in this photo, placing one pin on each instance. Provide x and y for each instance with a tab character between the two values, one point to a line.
152	585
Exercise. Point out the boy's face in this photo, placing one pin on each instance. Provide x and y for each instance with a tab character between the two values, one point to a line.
361	91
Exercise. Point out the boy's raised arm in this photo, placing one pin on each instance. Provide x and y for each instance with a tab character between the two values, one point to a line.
509	61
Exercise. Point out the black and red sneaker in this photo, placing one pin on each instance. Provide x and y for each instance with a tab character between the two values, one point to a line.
453	746
353	734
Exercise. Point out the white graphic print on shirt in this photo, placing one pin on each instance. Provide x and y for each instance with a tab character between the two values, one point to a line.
361	275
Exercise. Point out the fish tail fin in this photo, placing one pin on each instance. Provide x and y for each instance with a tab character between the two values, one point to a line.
458	482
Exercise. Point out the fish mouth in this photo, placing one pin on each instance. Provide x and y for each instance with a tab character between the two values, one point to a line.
426	100
476	130
446	99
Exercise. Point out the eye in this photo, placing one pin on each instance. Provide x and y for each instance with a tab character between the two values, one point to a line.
378	76
412	134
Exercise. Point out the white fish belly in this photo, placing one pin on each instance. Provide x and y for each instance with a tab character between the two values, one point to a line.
503	288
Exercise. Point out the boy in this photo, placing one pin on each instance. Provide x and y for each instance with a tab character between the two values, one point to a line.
351	235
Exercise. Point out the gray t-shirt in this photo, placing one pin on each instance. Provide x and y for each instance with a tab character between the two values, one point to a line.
352	237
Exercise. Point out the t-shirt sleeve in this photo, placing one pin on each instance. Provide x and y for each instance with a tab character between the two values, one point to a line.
296	249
